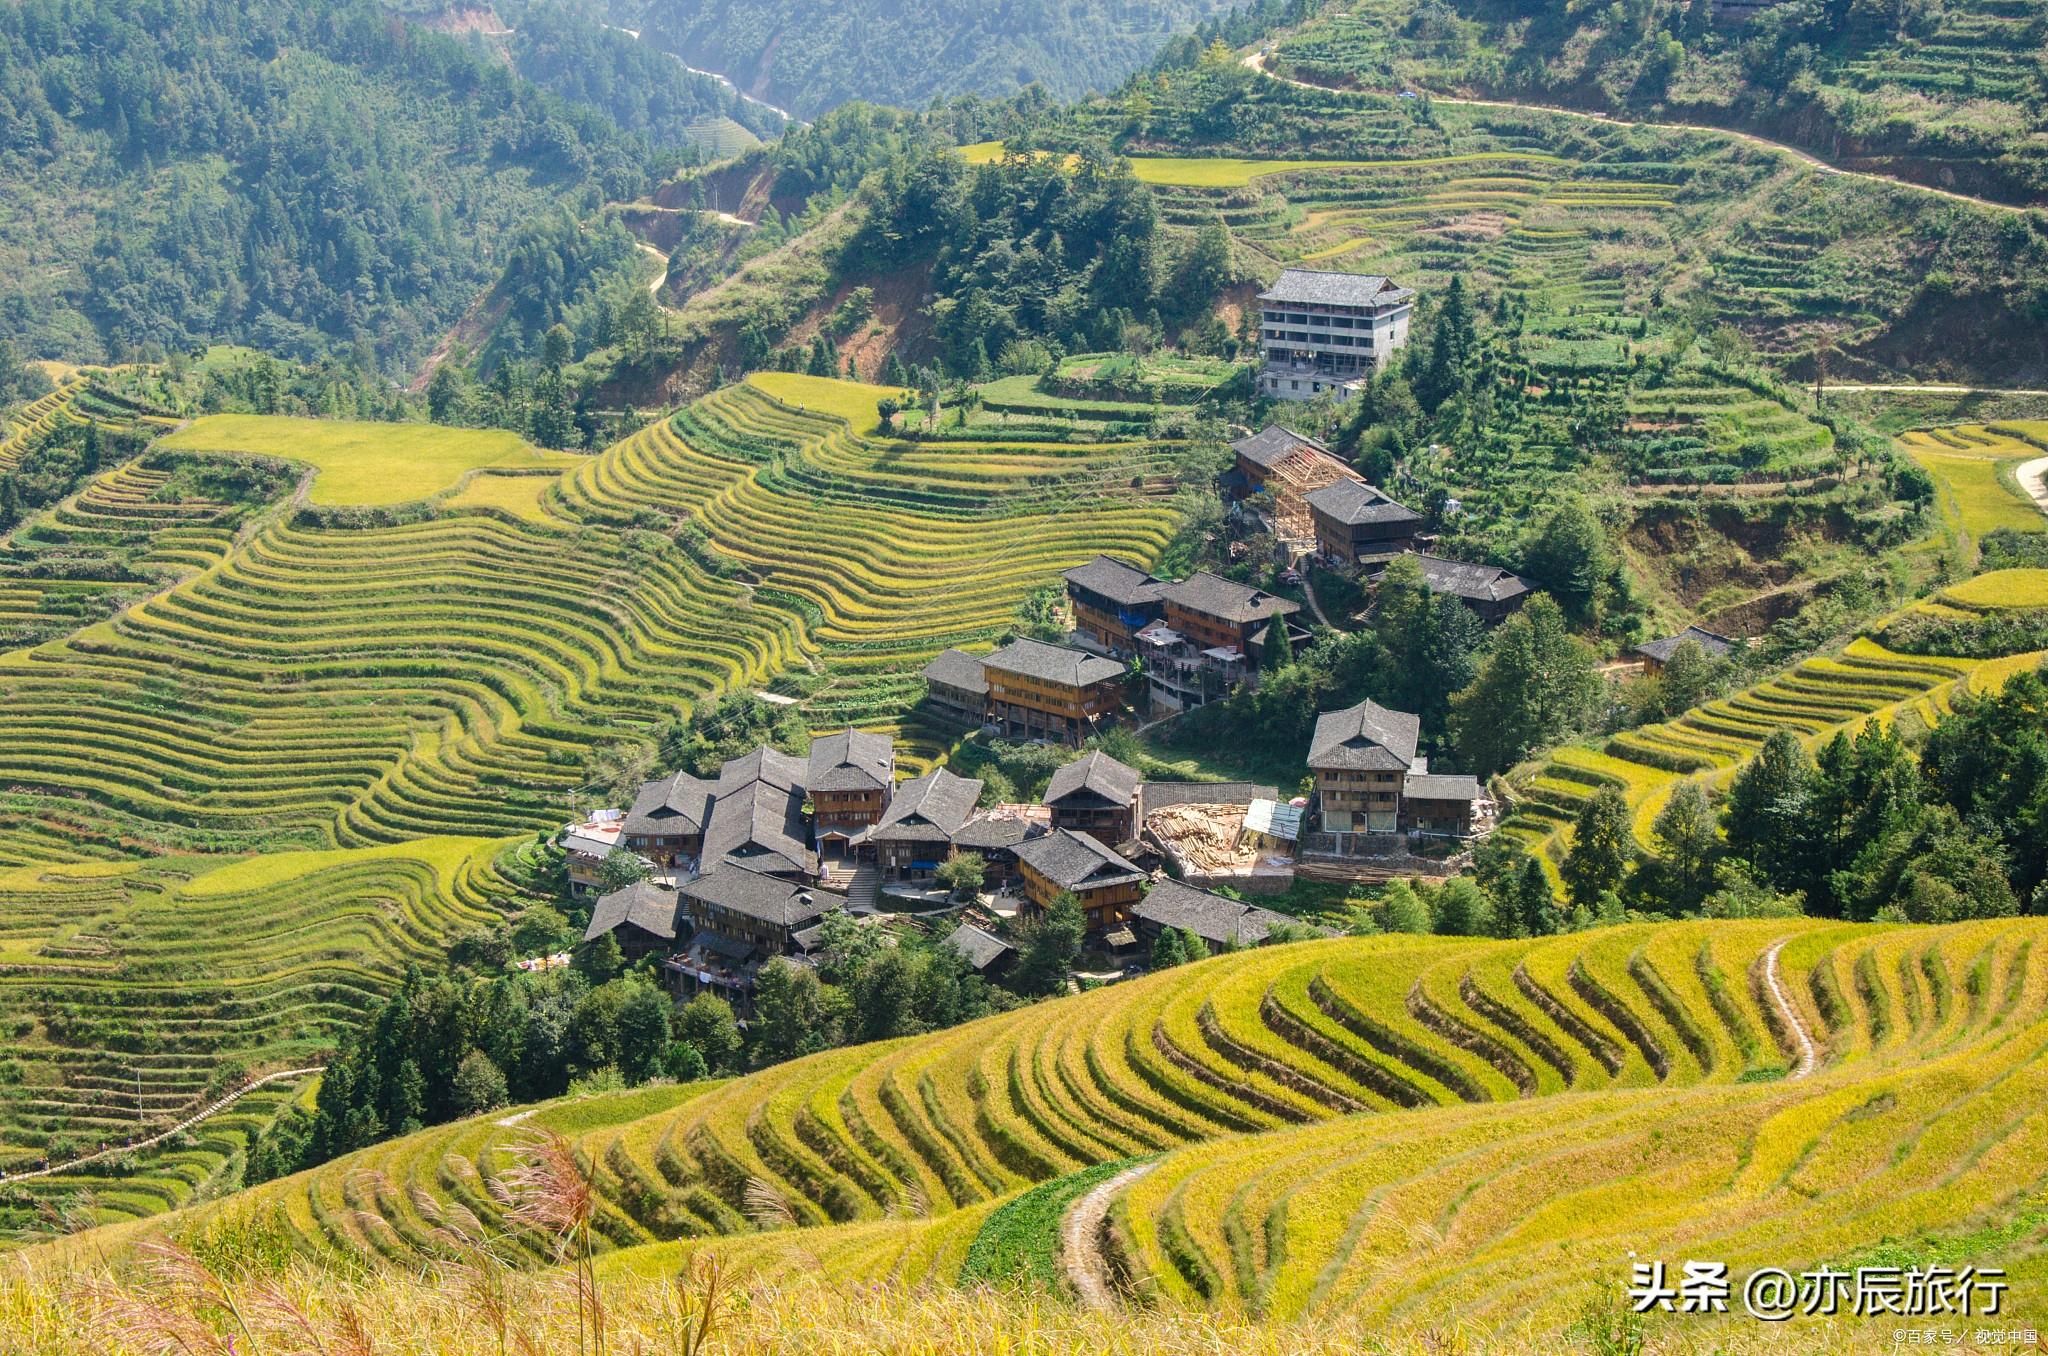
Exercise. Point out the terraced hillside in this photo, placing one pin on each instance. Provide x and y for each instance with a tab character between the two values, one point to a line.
1813	699
1555	226
1461	1108
127	988
1973	465
347	678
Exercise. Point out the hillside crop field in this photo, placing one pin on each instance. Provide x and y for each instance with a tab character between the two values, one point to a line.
349	685
1357	1130
367	464
127	986
1972	465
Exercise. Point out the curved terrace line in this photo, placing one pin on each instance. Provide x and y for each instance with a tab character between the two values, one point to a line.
1257	61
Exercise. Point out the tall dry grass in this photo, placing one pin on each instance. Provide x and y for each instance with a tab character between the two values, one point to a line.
175	1306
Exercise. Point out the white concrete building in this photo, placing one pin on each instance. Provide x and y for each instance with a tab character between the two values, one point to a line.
1328	331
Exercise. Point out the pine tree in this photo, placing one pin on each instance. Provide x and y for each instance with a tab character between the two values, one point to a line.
1600	850
1534	902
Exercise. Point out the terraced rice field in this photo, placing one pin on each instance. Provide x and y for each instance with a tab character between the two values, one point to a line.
1966	462
347	686
1376	1124
373	464
38	416
1813	700
125	987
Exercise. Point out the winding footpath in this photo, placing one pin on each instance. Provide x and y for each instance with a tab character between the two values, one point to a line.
1257	61
1081	1258
214	1109
1789	1014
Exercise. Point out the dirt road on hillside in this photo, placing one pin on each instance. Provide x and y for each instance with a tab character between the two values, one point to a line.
1257	61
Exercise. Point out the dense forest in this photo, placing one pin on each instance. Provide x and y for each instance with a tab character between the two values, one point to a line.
811	56
307	177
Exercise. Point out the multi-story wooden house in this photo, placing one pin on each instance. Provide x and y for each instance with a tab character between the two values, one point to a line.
1041	691
849	781
1095	795
740	920
1359	757
916	833
1214	613
1276	459
1064	862
1353	521
666	823
955	687
1113	601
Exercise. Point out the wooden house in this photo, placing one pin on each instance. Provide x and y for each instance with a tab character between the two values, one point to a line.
916	833
1113	601
1095	795
1065	862
1041	691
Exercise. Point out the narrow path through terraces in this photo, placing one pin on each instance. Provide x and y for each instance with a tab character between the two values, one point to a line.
1081	1239
2033	479
1257	61
1788	1013
214	1109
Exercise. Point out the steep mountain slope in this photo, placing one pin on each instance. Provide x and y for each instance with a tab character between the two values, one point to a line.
1953	94
313	176
811	56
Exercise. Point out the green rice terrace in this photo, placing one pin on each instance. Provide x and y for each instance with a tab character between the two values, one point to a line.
345	677
1814	699
1377	1125
127	988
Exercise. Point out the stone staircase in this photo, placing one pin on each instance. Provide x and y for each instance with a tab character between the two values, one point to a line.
860	882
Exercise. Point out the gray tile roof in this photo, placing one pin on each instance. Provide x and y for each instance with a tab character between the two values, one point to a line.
1052	663
1717	646
676	804
957	668
1479	583
852	760
1215	596
1440	786
644	904
1158	795
1094	771
768	898
981	949
757	815
927	809
1123	584
989	831
1073	861
1353	502
1172	904
1365	738
1320	288
1273	444
763	764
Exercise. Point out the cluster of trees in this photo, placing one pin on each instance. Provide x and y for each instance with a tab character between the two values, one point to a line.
536	398
1869	828
1026	248
57	462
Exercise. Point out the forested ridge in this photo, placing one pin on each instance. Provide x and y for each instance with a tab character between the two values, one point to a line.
309	177
811	56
